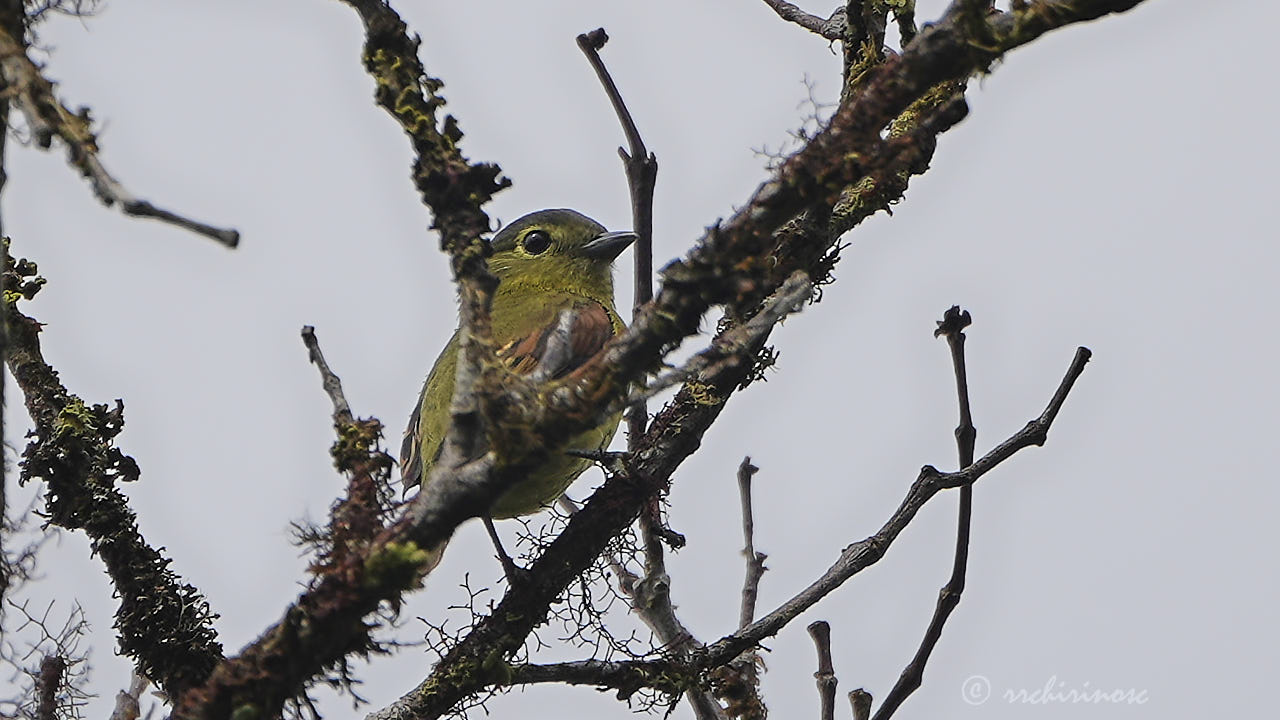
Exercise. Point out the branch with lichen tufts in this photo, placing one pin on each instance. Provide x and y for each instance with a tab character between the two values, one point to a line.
165	625
737	263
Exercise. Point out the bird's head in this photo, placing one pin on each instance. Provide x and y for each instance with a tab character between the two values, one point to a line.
558	250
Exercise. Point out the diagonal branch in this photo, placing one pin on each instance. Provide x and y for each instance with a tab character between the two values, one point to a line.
861	555
165	625
829	28
32	95
733	264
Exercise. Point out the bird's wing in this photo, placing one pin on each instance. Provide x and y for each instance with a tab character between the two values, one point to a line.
410	459
590	328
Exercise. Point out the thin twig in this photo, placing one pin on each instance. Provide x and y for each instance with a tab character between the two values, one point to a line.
513	572
865	553
820	631
641	167
652	596
652	602
332	385
952	326
755	560
48	118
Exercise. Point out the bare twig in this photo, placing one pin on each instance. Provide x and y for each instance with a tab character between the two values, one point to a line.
952	326
652	594
48	118
860	700
861	555
652	602
332	384
641	168
829	28
820	631
755	560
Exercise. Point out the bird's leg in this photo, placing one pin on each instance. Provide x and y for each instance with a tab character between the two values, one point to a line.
514	573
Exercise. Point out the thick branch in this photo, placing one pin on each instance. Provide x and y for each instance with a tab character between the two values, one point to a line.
164	624
48	681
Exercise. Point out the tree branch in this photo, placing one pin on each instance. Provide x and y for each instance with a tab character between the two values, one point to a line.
952	327
47	683
358	516
651	597
165	625
820	631
726	267
736	263
435	696
48	118
861	555
641	167
755	560
829	28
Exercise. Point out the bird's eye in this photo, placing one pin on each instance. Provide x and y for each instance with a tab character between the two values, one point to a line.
537	242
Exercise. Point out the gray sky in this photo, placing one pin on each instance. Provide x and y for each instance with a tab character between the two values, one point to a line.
1113	187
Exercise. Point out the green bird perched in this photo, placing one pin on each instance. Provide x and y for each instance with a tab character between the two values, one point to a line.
547	262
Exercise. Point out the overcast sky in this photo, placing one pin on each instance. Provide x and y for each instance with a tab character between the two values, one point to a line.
1114	187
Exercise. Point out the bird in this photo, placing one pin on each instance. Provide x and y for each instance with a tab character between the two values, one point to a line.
547	262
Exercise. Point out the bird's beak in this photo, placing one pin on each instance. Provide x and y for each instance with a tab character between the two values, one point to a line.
609	245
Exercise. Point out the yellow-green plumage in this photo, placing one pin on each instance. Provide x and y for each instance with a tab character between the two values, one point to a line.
546	262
